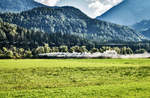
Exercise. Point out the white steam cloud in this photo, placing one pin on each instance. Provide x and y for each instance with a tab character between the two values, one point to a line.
92	8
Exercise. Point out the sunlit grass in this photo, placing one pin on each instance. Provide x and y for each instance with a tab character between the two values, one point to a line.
89	78
28	63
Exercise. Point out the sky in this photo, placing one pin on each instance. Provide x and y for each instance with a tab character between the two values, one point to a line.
92	8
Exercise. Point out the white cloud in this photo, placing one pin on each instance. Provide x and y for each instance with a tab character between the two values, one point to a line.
48	2
101	6
92	8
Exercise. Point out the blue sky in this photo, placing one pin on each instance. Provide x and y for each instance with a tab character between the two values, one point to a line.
92	8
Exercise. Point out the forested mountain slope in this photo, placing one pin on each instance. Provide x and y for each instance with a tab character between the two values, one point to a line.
73	21
11	34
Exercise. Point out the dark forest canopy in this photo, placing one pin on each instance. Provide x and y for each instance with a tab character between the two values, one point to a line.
11	34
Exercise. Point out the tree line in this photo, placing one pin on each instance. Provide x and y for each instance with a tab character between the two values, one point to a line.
18	53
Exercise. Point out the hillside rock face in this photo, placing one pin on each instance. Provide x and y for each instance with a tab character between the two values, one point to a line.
72	21
17	5
128	12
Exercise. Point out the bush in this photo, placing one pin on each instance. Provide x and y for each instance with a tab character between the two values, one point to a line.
140	51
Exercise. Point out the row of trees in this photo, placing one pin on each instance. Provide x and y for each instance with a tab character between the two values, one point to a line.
14	52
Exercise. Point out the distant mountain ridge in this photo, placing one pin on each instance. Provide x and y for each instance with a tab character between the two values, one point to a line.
128	12
143	27
73	21
18	5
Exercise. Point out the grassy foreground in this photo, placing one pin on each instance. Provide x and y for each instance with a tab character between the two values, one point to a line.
75	78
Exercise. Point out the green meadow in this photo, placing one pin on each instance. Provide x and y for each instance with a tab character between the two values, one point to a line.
75	78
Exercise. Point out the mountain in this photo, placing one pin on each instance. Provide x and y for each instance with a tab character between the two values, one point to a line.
146	33
128	12
11	34
72	21
18	5
143	27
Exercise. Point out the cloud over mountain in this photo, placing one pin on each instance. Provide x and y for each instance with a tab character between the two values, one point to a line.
101	6
92	8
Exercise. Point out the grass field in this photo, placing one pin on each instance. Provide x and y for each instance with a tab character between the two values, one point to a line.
75	78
